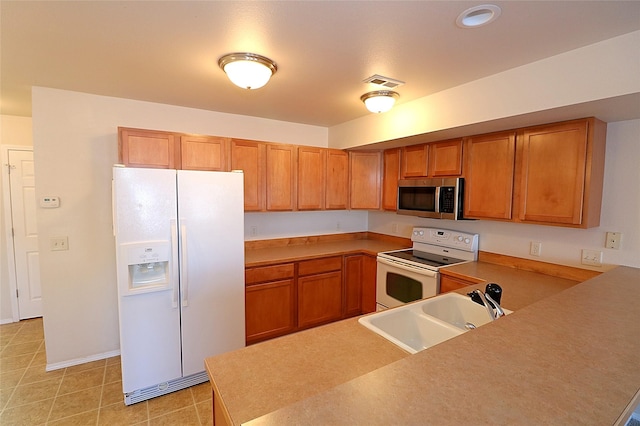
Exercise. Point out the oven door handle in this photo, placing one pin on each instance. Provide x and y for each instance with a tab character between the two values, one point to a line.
426	272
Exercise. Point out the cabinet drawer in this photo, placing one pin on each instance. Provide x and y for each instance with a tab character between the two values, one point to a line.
326	264
268	273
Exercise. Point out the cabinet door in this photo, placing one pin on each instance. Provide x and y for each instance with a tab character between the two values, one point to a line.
337	180
445	158
270	310
204	153
353	274
415	161
365	180
281	177
552	174
390	176
249	156
311	178
448	283
319	299
148	148
489	175
369	276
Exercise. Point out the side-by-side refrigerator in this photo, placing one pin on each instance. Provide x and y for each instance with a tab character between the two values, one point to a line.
180	272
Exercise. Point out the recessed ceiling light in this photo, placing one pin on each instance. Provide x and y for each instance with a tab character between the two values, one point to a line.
478	15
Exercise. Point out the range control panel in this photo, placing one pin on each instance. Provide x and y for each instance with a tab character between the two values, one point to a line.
445	238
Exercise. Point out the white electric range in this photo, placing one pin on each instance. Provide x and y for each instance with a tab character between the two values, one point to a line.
407	275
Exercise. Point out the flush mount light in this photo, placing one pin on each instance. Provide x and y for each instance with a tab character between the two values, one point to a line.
478	15
247	70
379	100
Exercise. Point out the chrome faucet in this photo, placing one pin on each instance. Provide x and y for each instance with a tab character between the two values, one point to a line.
485	298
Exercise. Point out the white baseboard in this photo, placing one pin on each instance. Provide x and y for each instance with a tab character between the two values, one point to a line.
78	361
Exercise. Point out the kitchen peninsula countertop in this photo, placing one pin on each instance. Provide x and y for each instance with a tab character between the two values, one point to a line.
573	356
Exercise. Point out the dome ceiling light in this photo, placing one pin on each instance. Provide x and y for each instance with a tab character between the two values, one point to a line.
380	100
478	16
247	70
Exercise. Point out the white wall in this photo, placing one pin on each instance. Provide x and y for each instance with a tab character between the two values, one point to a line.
599	71
620	213
264	226
13	131
75	145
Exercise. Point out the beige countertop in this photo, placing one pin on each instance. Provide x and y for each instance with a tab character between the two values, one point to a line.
570	358
297	252
545	363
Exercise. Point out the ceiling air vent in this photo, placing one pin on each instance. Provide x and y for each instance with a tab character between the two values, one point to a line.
383	81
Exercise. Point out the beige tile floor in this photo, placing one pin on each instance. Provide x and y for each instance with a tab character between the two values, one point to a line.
87	394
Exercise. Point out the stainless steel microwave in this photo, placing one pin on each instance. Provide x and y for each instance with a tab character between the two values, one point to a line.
433	198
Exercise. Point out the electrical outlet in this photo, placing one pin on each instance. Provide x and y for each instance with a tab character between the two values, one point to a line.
337	226
394	228
254	231
535	249
591	257
59	243
613	240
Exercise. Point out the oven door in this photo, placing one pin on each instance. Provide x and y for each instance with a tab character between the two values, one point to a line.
399	283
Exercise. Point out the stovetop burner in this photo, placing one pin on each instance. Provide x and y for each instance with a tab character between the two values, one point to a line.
424	258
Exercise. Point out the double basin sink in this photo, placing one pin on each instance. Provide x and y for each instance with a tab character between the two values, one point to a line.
419	325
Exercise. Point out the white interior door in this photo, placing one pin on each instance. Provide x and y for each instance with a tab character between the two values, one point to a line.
25	233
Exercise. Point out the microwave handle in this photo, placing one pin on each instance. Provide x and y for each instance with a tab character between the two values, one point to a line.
437	207
404	267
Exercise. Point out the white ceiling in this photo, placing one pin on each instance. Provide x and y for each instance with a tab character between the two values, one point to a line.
167	52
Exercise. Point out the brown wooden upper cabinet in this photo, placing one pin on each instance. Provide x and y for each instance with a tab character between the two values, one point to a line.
148	148
489	174
435	159
561	173
249	156
390	177
312	177
364	181
550	175
337	180
415	161
323	179
445	158
167	150
281	177
204	153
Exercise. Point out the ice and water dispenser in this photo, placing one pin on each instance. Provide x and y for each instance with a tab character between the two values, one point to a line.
148	267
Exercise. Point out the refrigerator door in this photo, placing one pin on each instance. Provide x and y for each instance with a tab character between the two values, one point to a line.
211	219
145	207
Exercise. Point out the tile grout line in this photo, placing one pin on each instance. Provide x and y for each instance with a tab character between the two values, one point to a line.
104	378
25	370
64	373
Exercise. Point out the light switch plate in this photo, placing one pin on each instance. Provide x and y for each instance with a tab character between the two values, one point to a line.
59	243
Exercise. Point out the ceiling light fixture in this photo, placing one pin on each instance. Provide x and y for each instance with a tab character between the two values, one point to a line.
247	70
379	100
478	15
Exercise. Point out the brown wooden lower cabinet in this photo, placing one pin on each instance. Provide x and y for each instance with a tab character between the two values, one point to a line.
284	298
270	302
448	283
319	299
360	284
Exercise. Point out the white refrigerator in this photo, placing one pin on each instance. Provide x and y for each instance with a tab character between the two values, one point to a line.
180	273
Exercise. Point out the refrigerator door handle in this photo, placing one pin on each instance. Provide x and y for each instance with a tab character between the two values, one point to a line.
184	277
174	263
